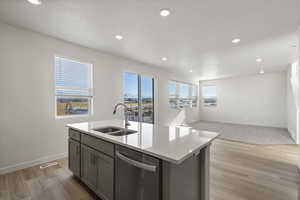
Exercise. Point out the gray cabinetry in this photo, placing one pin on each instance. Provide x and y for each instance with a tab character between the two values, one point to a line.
88	167
75	135
115	172
97	172
98	144
188	180
92	161
105	176
74	157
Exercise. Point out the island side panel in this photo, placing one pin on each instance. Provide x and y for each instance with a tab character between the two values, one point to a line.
205	172
188	180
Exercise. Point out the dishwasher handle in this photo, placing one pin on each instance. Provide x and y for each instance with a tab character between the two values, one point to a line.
135	163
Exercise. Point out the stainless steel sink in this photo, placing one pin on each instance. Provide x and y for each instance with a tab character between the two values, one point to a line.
108	129
116	131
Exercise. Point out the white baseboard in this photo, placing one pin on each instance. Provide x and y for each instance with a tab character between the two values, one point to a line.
245	124
32	163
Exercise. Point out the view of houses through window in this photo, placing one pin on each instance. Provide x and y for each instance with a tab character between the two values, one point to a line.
138	92
73	87
209	95
182	94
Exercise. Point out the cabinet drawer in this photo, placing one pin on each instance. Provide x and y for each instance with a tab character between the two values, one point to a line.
75	135
98	144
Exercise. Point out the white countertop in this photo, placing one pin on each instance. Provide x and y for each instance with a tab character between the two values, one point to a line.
170	143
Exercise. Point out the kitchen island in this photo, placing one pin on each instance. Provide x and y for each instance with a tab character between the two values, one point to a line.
152	162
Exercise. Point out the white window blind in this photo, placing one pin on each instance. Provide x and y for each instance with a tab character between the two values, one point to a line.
73	87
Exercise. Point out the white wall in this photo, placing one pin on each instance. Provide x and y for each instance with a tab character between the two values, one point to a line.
293	100
254	100
29	132
298	121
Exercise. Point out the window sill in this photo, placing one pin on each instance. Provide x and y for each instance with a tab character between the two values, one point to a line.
180	108
72	116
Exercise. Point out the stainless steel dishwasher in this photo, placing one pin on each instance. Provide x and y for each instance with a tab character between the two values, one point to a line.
138	176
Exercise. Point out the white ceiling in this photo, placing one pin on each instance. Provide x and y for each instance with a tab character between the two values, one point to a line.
197	35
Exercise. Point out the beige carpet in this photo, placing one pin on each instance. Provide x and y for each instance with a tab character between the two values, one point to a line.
247	133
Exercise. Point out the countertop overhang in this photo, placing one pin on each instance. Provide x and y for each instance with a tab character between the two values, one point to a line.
170	143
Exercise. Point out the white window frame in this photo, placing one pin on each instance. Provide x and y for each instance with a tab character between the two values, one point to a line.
197	94
203	97
190	85
91	90
156	80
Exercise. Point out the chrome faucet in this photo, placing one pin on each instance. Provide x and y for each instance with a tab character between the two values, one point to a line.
126	112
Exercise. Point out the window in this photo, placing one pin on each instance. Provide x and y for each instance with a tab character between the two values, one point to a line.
209	94
73	87
182	94
173	95
138	92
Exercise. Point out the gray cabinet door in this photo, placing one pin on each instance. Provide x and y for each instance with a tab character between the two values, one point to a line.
74	157
88	167
105	176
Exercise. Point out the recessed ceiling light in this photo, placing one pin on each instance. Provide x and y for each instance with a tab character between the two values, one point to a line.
119	37
164	58
164	12
236	40
35	2
191	70
261	71
258	60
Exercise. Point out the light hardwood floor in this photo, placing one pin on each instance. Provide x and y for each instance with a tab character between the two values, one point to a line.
254	172
239	172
